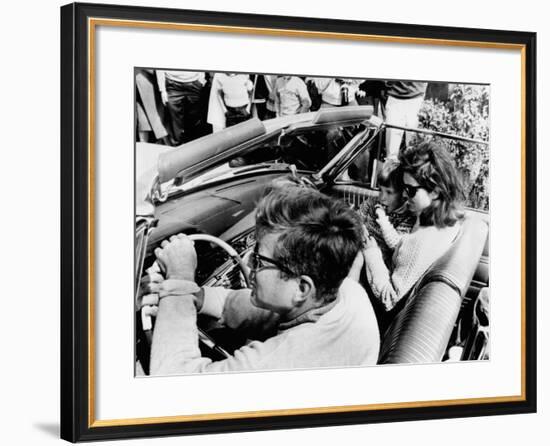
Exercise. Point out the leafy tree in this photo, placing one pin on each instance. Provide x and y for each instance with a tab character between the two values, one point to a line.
465	113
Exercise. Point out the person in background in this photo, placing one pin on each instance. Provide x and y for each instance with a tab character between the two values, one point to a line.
270	81
302	309
181	94
150	116
263	96
291	96
375	94
206	128
230	97
337	92
314	94
403	103
236	91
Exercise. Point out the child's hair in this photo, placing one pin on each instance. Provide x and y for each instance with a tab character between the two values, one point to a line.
391	175
431	165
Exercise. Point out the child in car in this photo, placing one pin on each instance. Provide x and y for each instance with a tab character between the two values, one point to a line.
386	217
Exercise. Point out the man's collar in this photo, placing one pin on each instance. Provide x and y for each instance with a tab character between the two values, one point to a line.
312	315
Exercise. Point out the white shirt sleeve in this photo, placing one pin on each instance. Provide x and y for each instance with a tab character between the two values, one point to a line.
214	301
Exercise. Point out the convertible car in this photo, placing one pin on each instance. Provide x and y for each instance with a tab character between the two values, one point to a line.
208	189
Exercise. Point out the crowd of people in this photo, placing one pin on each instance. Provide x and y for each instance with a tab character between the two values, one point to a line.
326	280
175	107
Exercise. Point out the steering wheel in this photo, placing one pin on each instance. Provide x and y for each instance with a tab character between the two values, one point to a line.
148	311
230	251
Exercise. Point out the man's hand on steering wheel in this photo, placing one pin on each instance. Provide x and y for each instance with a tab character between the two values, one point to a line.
177	257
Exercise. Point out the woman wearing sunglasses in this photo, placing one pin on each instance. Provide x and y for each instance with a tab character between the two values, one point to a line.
434	194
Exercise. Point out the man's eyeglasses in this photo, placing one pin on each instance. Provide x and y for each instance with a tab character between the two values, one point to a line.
410	190
257	262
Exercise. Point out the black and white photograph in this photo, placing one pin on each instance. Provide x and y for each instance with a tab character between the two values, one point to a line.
291	221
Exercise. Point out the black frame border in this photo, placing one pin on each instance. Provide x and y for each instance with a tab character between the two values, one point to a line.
75	221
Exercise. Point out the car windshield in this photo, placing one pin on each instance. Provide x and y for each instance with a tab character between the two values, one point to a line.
308	148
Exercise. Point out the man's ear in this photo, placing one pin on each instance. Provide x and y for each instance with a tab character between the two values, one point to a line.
434	194
306	289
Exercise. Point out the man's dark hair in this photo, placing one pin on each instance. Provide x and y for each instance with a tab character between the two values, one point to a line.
319	236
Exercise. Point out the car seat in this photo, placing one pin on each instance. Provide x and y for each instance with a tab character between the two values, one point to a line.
420	331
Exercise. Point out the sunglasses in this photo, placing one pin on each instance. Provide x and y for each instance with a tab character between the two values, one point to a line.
411	190
257	262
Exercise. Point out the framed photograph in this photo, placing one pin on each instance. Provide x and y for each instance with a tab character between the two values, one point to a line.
278	222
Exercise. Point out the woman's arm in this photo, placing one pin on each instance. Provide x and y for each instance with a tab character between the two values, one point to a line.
413	256
409	265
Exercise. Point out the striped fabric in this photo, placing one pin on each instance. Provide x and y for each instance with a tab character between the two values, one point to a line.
420	331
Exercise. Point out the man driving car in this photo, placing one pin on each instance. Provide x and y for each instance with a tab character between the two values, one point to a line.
302	310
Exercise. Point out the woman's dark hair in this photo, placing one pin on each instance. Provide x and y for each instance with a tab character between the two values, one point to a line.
319	236
434	169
